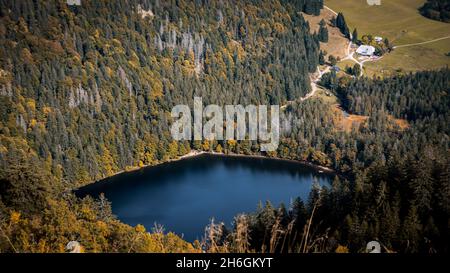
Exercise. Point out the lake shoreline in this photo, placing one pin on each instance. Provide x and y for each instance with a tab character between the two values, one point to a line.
184	193
306	163
195	153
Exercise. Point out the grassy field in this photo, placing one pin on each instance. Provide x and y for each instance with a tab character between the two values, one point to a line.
343	64
401	23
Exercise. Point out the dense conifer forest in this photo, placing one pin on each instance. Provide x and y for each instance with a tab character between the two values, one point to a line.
86	92
436	10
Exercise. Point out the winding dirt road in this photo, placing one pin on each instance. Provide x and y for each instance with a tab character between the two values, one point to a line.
314	87
423	43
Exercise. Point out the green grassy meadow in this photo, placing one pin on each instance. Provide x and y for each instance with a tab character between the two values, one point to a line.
401	23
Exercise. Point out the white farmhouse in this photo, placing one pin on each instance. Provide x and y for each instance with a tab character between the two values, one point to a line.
74	2
366	50
378	39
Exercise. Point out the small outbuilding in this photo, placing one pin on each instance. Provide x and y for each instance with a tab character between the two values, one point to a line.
366	50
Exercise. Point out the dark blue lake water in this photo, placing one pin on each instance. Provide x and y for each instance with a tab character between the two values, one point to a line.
184	195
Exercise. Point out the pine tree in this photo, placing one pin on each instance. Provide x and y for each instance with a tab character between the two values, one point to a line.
313	7
355	36
323	32
356	70
332	60
299	213
342	25
321	58
410	231
389	224
421	187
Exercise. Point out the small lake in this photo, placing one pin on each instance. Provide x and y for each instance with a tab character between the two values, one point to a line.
184	195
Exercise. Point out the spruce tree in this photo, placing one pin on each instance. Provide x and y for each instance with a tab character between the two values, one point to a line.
342	25
355	36
323	32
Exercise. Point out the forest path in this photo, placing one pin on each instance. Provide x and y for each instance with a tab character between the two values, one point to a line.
334	12
314	86
314	82
349	53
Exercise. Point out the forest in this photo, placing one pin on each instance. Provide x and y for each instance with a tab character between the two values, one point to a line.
86	92
437	10
397	184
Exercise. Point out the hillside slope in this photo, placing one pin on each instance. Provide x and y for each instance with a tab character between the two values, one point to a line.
90	88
